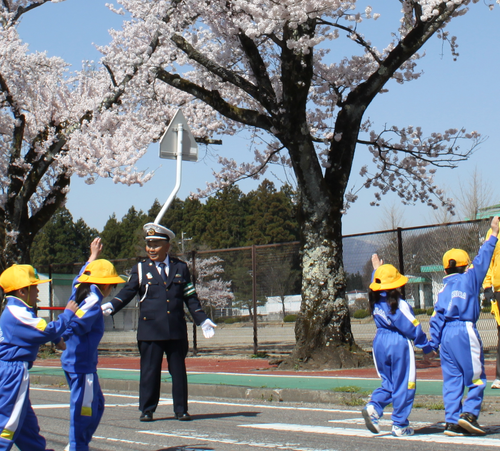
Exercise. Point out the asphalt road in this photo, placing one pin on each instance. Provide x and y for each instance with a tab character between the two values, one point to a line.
224	424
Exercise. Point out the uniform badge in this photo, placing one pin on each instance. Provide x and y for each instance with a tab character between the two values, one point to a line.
149	275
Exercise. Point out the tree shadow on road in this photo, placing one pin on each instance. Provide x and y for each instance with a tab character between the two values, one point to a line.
186	448
209	416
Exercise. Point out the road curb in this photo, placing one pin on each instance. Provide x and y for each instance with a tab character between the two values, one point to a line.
347	400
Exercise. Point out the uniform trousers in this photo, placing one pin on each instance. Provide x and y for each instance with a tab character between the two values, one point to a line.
151	361
86	409
462	364
18	422
395	363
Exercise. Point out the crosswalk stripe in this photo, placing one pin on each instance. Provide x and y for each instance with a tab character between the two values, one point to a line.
475	440
233	442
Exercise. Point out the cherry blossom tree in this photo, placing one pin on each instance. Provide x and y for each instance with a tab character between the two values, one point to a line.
269	67
55	124
213	292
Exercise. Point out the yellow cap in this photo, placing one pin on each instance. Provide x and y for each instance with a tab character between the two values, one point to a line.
19	276
460	256
101	272
387	277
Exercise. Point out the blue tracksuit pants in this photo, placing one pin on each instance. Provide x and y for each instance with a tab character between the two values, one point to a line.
18	422
395	362
86	409
462	363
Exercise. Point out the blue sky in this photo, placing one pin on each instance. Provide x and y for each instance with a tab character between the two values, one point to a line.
450	94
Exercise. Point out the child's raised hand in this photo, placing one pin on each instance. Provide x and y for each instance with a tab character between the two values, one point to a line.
494	226
72	305
95	249
376	261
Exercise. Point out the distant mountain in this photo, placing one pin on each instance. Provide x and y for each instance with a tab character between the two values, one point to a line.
357	252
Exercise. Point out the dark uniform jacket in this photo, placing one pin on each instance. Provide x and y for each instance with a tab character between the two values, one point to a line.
161	304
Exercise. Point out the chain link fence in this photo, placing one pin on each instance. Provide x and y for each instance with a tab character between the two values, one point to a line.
266	280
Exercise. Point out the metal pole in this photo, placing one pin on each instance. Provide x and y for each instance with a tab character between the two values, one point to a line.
254	298
195	341
180	132
51	294
400	257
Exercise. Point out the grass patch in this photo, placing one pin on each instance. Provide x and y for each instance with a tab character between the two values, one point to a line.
353	401
354	396
351	389
429	405
259	355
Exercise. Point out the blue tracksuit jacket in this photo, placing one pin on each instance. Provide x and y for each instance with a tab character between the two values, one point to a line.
79	362
21	334
395	359
453	327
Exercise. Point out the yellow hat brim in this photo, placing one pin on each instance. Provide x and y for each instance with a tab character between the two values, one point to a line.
101	280
389	286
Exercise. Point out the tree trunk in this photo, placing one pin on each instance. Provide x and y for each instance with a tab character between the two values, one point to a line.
323	327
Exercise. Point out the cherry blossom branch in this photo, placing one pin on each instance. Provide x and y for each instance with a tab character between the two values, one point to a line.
215	100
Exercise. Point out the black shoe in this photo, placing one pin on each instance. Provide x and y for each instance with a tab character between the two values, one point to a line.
454	430
469	422
146	416
182	416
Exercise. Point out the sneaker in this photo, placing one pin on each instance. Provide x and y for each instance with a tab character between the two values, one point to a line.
496	383
371	418
402	432
469	422
454	430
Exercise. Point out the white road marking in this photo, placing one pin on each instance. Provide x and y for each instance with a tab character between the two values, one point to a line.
432	438
388	423
265	406
168	401
206	438
111	439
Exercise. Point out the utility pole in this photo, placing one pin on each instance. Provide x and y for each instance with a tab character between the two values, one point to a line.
181	242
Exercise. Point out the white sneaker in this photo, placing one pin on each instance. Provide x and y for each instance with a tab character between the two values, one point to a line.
402	432
496	383
371	418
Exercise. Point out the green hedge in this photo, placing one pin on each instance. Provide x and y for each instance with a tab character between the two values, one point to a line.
289	318
361	313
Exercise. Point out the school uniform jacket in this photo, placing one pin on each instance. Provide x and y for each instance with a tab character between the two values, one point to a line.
161	304
402	322
83	335
22	332
458	299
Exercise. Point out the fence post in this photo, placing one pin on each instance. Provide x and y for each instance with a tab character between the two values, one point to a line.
401	258
254	298
195	342
51	294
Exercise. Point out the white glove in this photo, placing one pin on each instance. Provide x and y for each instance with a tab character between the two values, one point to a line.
207	327
107	309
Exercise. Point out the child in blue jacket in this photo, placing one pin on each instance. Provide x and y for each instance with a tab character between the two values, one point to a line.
453	326
21	334
96	280
393	351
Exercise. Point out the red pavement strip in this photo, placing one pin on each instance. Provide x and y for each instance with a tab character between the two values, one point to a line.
430	371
